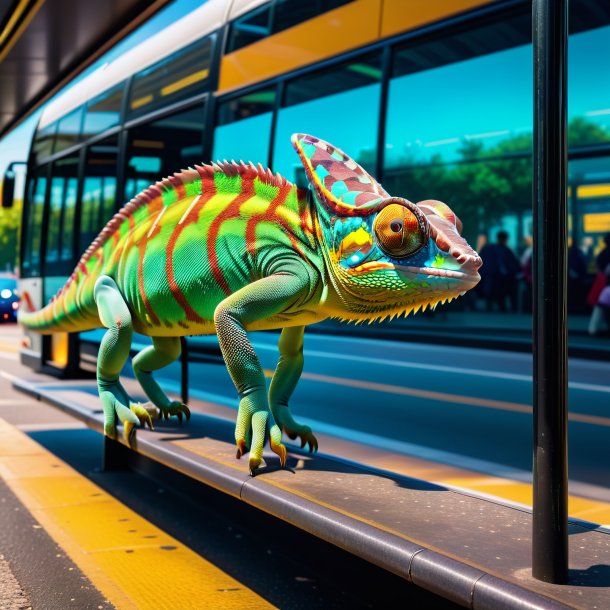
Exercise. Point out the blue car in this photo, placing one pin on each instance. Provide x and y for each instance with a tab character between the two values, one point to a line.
9	299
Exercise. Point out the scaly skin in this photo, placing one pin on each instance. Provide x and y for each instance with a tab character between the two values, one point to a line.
229	248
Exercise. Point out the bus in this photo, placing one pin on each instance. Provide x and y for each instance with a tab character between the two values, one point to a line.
433	98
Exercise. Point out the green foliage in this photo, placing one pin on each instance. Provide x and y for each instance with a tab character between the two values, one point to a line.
10	219
486	183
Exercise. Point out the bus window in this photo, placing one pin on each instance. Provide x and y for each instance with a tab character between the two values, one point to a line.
243	127
62	201
160	148
69	130
99	199
329	105
287	13
459	126
104	111
44	142
249	28
275	17
178	77
55	208
33	224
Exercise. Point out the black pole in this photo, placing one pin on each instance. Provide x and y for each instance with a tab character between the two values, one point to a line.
184	370
550	515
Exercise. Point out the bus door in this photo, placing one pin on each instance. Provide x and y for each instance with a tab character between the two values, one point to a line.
60	349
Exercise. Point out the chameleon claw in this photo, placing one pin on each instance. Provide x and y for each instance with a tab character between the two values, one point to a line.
253	464
241	448
280	450
129	432
143	414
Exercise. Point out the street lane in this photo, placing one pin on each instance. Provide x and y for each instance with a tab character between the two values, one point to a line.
466	402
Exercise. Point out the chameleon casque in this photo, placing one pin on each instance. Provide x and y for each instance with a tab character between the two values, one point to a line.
230	247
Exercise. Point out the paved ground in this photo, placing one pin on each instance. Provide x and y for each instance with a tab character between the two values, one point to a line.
282	566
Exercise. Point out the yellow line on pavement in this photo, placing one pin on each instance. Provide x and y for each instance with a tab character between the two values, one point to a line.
133	563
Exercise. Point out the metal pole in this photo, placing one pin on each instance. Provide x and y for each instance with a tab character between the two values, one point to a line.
550	515
184	370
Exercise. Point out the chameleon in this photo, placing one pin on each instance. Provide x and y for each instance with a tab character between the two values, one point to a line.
229	248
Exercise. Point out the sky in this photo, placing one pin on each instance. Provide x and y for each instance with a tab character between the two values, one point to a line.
15	145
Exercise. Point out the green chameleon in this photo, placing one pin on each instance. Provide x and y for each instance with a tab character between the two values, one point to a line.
229	248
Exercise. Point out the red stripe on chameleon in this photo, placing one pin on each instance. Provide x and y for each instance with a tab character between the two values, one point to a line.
268	215
230	211
208	190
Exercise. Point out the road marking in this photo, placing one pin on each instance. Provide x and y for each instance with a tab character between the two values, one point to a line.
435	367
500	481
471	401
133	563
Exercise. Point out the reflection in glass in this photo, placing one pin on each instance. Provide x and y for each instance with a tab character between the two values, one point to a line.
31	261
62	202
180	76
44	142
104	111
588	94
340	105
162	147
69	130
244	128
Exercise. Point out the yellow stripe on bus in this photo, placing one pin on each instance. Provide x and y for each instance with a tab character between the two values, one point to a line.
132	562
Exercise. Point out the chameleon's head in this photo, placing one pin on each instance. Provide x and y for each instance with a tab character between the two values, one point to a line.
385	254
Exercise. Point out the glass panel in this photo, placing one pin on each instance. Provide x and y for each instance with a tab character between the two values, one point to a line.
160	148
60	223
470	99
287	13
69	130
283	14
244	127
249	28
588	95
44	142
54	226
33	240
104	111
329	105
99	189
182	75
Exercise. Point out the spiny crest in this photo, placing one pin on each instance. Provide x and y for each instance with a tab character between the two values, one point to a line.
181	183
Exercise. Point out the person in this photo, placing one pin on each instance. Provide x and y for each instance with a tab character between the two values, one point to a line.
603	258
602	264
577	276
499	274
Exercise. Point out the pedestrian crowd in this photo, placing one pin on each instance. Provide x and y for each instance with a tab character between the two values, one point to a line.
506	280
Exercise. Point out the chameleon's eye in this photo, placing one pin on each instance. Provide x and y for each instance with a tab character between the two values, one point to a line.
399	231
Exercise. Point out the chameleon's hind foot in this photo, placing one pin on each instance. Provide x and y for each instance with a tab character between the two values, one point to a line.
305	434
176	408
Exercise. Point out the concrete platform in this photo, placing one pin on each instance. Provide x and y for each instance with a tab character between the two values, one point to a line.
472	551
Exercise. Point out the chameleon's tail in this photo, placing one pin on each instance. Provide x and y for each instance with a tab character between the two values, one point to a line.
65	313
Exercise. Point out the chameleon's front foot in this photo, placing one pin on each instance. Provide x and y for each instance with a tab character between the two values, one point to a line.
257	425
293	429
143	418
176	408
